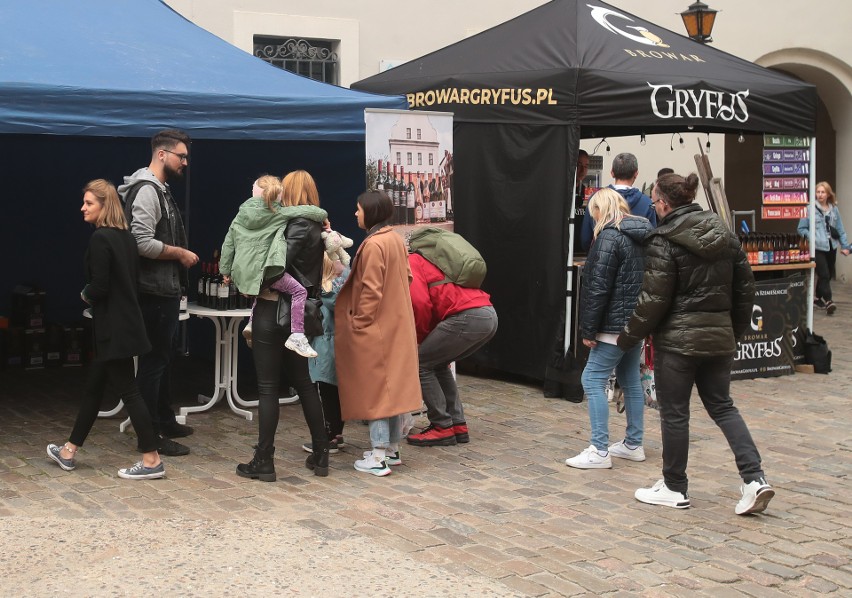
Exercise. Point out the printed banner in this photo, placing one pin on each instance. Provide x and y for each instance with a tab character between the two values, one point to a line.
785	183
410	157
784	212
774	197
767	350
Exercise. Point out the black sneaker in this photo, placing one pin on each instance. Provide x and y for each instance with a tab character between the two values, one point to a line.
819	303
176	430
170	448
830	307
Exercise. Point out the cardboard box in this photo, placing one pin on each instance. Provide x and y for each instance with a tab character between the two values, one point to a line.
54	343
27	307
72	348
34	348
13	347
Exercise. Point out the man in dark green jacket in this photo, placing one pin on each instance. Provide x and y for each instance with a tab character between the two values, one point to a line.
696	300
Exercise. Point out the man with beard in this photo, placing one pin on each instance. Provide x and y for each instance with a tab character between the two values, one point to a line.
161	239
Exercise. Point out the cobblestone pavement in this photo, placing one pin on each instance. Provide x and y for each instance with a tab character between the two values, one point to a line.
501	516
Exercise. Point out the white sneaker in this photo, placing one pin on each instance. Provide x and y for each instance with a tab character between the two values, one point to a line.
659	494
590	459
298	342
390	458
756	497
622	451
372	464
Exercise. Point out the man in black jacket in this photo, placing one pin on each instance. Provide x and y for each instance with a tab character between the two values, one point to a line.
696	299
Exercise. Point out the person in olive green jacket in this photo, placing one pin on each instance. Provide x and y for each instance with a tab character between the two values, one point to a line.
696	300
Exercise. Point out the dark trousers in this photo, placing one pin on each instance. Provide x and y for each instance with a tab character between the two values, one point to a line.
825	265
161	320
330	396
456	337
269	356
116	374
675	376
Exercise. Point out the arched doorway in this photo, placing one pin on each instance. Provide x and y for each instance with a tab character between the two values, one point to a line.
833	80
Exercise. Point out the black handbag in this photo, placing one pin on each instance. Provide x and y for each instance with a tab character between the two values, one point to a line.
313	315
817	353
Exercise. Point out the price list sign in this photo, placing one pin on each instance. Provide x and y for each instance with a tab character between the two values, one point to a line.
786	169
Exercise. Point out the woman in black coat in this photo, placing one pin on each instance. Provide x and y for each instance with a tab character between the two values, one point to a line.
112	263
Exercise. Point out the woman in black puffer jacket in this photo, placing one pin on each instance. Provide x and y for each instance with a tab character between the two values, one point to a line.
696	300
612	278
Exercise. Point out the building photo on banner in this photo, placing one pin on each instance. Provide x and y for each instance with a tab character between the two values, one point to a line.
410	157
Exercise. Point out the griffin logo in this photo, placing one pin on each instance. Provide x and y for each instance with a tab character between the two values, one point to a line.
605	18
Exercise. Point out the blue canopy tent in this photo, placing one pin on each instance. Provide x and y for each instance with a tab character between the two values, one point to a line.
84	85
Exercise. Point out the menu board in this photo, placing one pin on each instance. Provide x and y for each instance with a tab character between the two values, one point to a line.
786	170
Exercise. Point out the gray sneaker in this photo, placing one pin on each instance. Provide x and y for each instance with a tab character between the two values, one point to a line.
140	472
53	452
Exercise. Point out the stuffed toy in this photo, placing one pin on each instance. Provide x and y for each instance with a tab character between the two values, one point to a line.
336	245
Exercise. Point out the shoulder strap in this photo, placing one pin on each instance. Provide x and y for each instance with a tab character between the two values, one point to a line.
131	194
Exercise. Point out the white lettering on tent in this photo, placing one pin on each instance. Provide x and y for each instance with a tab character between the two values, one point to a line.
604	18
668	102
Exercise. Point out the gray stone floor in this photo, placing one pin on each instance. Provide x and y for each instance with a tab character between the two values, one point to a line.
501	516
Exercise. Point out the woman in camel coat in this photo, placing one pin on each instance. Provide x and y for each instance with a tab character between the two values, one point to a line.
376	343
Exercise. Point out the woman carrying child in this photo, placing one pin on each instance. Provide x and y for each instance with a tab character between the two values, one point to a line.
295	243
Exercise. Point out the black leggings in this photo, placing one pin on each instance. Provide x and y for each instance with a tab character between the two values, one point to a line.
330	395
269	355
118	374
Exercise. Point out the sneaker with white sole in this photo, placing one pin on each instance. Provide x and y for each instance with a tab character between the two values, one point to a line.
372	464
140	472
622	451
390	458
66	464
590	459
756	497
659	494
334	445
298	342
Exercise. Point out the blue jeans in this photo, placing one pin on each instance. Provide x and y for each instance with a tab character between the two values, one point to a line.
456	337
161	320
602	359
385	431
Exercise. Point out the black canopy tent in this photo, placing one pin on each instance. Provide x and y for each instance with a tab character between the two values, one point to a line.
525	92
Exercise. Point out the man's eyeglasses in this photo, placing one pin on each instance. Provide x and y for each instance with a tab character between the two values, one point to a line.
181	157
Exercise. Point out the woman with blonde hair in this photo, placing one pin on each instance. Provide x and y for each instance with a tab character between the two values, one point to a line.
829	234
111	265
612	278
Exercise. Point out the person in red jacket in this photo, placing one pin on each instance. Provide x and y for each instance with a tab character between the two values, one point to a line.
452	323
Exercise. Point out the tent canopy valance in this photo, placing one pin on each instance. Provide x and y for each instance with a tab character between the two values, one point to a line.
127	68
610	72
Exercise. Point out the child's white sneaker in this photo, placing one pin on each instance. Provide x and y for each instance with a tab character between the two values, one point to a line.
247	334
298	342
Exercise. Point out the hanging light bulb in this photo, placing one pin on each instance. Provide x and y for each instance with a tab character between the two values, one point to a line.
741	138
607	148
642	140
682	143
707	145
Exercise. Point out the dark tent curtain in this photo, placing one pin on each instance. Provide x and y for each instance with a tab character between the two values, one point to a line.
514	181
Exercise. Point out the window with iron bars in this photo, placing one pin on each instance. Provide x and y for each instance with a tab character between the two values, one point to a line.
312	58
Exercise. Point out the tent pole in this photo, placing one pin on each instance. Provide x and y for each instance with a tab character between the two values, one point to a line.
569	291
811	230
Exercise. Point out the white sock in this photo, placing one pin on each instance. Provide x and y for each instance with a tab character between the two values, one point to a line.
602	453
393	447
379	454
298	335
